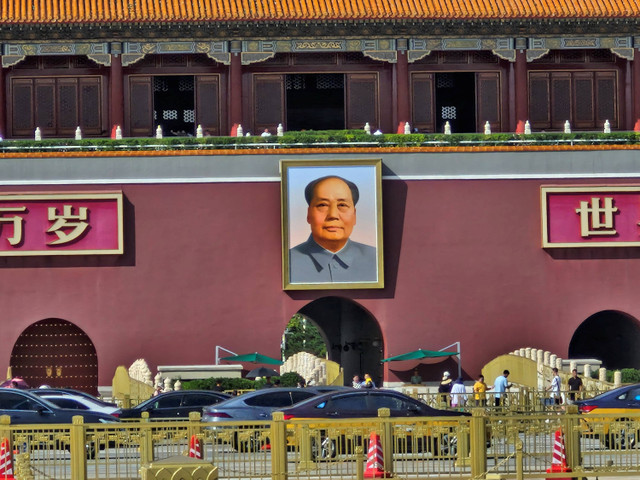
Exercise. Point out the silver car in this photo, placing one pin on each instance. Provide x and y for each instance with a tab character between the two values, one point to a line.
260	404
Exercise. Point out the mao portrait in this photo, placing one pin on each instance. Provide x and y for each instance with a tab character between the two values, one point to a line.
332	225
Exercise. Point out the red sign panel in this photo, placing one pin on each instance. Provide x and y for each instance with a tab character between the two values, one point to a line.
606	216
61	224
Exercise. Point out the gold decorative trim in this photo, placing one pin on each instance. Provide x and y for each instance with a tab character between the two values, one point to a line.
535	54
131	58
247	58
509	55
223	58
11	60
626	53
390	56
415	55
101	59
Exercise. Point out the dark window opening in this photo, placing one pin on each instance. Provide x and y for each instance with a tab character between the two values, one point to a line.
174	105
455	102
315	101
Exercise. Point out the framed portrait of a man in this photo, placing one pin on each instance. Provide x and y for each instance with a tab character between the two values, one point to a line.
331	224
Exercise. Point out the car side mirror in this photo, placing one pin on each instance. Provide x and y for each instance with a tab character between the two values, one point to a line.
40	409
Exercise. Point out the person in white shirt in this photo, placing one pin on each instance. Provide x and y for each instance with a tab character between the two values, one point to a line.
555	386
458	394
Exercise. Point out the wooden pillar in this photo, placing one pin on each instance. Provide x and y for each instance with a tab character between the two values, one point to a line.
3	105
521	90
402	89
235	87
116	87
635	89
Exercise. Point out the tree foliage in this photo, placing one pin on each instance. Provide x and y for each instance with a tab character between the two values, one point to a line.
302	335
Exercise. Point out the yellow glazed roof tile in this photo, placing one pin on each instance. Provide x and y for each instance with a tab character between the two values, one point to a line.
146	11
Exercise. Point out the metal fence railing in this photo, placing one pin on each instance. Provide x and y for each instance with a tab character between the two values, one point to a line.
454	447
520	400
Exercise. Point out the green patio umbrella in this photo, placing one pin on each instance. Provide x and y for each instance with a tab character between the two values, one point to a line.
419	355
253	358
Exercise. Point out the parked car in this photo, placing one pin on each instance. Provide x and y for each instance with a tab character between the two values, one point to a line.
71	392
176	404
365	404
26	408
255	406
603	416
80	403
259	404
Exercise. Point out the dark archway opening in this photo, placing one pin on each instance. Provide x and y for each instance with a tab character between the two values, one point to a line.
174	105
57	353
315	101
353	336
610	336
455	101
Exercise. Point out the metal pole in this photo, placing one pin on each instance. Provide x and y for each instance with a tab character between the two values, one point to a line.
459	356
218	348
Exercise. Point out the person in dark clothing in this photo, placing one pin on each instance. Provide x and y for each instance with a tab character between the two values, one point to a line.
575	385
445	388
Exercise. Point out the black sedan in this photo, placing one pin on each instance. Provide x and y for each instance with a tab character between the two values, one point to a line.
176	404
363	404
328	442
25	408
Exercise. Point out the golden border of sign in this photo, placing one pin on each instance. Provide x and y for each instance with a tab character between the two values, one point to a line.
117	196
544	190
284	209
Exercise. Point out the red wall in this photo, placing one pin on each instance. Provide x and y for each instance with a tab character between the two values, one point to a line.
203	268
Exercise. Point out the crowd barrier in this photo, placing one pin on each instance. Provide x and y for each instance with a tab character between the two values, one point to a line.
480	446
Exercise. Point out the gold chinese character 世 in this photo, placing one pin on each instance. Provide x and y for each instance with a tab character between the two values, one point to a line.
67	220
596	219
16	220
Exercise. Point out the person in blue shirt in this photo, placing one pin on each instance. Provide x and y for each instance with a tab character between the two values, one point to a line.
500	387
328	255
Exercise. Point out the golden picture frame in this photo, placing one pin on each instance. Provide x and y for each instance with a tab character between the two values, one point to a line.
331	213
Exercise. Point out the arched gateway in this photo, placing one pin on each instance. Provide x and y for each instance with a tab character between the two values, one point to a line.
610	336
56	353
353	336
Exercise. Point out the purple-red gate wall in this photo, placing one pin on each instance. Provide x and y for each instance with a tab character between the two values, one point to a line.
202	267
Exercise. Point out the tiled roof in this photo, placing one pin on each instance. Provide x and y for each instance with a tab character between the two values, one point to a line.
145	11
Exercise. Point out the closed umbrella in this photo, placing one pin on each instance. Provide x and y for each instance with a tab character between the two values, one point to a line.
253	358
262	372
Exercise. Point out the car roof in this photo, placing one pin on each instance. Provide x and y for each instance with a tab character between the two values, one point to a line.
213	393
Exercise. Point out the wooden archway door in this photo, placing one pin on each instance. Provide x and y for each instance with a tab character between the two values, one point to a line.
56	353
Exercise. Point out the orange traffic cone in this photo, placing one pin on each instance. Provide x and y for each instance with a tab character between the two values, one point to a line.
559	458
375	459
194	447
6	460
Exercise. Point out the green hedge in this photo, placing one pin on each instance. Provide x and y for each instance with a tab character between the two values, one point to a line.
320	139
629	375
289	379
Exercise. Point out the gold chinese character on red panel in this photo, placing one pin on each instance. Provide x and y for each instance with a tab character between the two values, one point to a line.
15	221
61	224
67	226
596	219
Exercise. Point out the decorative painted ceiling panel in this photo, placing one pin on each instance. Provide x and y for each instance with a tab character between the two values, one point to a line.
151	11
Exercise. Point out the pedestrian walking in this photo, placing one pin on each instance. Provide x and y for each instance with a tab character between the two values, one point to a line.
500	387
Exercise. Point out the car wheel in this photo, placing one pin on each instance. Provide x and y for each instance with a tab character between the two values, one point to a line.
448	445
247	442
620	436
323	448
